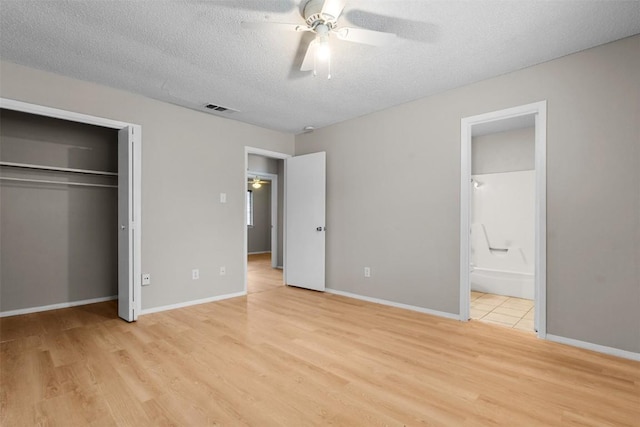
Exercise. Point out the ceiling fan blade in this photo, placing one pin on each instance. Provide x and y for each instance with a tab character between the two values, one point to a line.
275	26
404	27
333	8
360	35
281	6
309	57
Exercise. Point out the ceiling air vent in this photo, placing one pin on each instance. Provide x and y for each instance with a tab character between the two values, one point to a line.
219	108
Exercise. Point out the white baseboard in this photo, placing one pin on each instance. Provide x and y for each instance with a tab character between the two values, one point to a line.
189	303
55	306
394	304
595	347
258	253
562	340
280	267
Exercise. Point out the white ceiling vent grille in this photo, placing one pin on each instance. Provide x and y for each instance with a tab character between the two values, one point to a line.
219	108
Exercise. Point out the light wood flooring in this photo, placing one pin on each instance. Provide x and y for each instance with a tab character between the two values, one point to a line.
260	275
291	357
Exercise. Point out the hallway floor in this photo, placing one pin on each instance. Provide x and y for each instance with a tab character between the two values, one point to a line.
260	275
502	310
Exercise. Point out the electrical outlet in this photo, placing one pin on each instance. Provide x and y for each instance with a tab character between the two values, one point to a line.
223	197
367	272
223	271
146	279
195	274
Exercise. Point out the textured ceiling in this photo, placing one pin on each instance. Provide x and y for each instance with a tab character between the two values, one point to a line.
195	52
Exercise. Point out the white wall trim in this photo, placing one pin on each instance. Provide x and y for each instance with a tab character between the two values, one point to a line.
539	109
266	153
393	304
25	107
612	351
136	176
274	155
258	253
190	303
56	306
540	278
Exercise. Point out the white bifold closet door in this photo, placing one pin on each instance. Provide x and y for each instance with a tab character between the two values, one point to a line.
305	185
127	223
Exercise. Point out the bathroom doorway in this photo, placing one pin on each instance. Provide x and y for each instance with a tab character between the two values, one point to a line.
503	215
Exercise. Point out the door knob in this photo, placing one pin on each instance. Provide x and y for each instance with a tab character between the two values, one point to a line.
122	227
320	228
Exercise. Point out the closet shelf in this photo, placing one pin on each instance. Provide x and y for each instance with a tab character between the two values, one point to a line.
45	181
57	169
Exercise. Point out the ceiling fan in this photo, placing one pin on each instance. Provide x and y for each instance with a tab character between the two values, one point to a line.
321	18
256	182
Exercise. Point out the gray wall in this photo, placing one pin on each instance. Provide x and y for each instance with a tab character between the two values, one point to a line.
259	163
259	235
57	243
411	240
188	158
508	151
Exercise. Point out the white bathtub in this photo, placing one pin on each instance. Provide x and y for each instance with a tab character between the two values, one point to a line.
510	283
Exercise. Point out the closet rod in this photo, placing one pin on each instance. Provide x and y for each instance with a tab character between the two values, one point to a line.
57	169
43	181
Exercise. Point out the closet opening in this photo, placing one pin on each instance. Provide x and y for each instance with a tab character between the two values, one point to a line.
70	212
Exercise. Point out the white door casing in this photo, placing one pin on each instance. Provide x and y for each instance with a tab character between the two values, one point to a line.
305	191
539	111
274	210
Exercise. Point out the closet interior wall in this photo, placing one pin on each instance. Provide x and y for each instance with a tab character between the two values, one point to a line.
58	242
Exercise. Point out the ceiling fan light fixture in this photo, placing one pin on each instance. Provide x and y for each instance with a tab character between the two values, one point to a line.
321	18
323	52
322	55
256	182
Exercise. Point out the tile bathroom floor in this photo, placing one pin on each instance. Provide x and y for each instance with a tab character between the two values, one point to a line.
502	310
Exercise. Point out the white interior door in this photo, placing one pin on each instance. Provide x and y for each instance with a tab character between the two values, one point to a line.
126	226
305	186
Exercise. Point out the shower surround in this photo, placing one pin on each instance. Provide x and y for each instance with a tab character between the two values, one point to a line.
503	233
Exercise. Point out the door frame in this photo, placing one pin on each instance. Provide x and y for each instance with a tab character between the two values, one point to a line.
273	155
135	179
274	212
539	110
